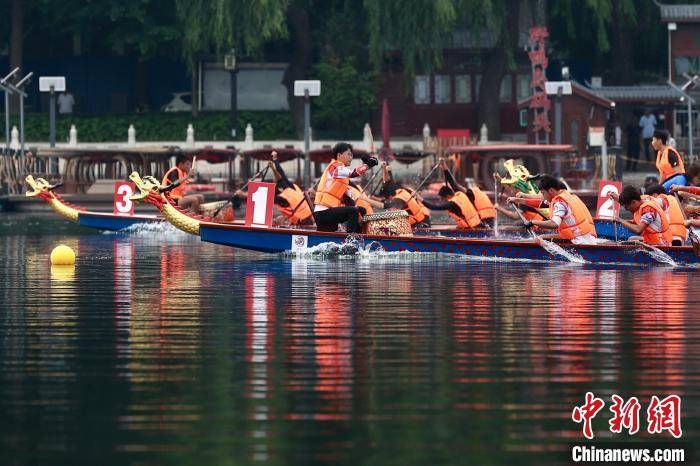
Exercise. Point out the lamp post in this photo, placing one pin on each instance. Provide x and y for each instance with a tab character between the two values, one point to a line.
5	86
307	89
230	65
690	101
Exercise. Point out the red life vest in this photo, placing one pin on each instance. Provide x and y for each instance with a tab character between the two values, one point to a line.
483	204
584	222
666	170
414	208
298	210
333	195
176	193
470	217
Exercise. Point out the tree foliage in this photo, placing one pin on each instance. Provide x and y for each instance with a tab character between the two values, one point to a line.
213	26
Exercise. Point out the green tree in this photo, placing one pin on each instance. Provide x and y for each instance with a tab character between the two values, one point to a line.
347	99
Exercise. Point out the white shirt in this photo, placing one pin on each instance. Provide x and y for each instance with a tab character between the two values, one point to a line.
648	124
65	103
340	172
561	212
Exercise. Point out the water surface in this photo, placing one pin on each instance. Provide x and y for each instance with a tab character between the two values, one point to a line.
156	349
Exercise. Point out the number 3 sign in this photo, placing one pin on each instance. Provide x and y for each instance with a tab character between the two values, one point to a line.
122	204
260	204
608	208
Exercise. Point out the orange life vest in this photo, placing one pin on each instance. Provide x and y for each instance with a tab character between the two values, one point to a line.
298	209
360	201
483	204
666	171
584	222
179	192
470	217
333	195
650	236
676	221
415	209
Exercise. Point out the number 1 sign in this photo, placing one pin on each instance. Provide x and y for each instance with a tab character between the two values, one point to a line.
608	208
260	204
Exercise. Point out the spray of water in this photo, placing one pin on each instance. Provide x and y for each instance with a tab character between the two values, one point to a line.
658	255
150	229
556	250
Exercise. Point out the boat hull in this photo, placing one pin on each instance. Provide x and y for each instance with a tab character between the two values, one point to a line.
604	228
113	222
281	240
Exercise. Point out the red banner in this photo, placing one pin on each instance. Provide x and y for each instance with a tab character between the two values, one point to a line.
260	204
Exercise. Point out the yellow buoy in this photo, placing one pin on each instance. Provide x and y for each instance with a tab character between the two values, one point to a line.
62	255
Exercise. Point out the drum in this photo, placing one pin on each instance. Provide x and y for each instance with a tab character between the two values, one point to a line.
391	223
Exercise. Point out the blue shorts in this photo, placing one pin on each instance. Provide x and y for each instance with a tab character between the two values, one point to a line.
678	179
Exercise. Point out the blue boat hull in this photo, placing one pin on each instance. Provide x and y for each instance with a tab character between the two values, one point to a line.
112	222
279	240
605	229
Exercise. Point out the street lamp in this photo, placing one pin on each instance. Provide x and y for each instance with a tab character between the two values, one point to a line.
307	89
230	65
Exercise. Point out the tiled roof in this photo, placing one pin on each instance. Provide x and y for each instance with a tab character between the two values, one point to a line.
680	13
637	93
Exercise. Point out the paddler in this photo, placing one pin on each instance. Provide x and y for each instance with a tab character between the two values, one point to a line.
457	204
650	221
400	198
531	209
333	204
668	161
672	208
568	214
480	201
289	198
182	173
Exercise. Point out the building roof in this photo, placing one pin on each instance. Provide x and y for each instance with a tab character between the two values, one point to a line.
680	13
582	92
638	94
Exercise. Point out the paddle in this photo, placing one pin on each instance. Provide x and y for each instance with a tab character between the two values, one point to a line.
525	221
694	240
262	171
495	203
420	186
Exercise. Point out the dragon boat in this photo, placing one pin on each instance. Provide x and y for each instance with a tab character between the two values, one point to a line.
41	188
277	240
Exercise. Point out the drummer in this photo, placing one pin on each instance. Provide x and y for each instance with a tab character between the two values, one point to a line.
400	198
480	201
333	204
568	214
181	174
650	221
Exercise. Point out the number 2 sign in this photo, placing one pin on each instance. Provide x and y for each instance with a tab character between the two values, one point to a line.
122	204
607	207
260	204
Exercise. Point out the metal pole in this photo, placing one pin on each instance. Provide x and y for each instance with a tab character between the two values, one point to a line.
604	159
690	130
234	102
52	117
7	121
557	129
307	139
21	127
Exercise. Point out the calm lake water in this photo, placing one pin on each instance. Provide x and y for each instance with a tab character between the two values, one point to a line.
157	349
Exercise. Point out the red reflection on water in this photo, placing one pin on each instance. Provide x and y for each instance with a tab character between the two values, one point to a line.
660	299
572	325
333	348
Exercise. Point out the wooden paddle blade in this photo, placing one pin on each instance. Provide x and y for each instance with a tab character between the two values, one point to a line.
696	246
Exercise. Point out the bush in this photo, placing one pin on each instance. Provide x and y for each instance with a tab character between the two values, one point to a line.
210	126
